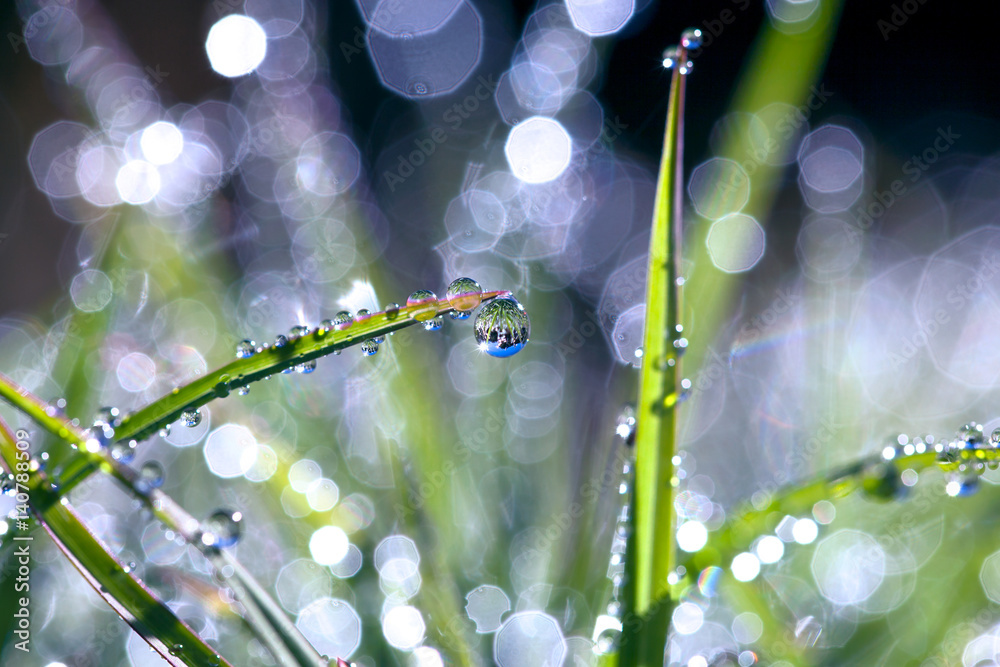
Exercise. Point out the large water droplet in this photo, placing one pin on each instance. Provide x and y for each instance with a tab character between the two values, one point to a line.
392	311
426	301
245	349
222	529
280	340
434	323
362	315
151	475
325	327
464	294
502	327
191	418
298	332
369	347
343	320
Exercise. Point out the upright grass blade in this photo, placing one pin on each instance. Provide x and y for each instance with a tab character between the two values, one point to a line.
651	557
136	604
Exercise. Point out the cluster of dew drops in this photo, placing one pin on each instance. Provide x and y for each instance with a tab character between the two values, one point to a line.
501	330
501	327
221	529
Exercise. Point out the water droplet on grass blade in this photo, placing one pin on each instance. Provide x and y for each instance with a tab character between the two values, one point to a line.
222	529
191	418
460	315
434	323
691	38
151	474
307	367
343	320
280	340
325	327
392	311
369	347
108	416
464	294
298	332
502	327
971	435
245	349
426	301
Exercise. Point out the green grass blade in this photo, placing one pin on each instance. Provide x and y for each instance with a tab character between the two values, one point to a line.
136	604
656	428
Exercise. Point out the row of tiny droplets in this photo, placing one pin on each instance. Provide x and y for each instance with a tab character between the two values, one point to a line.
608	626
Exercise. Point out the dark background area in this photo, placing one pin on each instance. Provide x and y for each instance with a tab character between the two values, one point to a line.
937	68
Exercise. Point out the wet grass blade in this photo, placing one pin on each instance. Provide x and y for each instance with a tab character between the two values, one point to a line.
650	554
136	604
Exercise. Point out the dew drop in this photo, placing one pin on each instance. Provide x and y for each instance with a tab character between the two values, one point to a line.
502	327
165	431
191	418
670	57
971	435
362	315
882	482
222	386
434	323
325	327
343	320
464	294
426	301
151	474
995	437
222	529
245	349
298	332
108	416
369	347
306	367
123	451
243	391
280	340
962	486
392	311
460	315
625	429
691	38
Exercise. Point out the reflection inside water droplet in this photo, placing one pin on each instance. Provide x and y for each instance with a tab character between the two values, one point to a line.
502	327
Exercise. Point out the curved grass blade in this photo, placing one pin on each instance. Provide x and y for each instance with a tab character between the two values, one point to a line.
219	383
136	604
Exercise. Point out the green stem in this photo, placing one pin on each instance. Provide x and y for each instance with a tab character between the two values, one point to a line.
136	604
656	428
219	383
